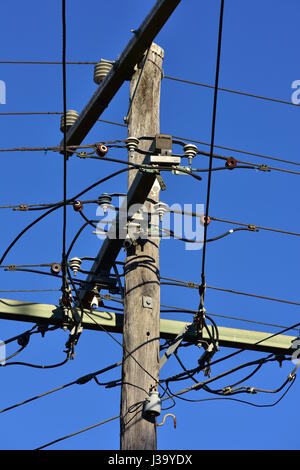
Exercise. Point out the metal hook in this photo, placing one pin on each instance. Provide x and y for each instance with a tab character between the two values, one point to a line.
165	417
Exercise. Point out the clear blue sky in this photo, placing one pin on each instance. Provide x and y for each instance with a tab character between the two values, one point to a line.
260	55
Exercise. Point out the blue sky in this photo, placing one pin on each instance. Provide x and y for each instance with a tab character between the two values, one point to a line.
259	55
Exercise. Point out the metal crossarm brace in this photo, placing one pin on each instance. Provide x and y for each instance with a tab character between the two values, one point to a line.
169	329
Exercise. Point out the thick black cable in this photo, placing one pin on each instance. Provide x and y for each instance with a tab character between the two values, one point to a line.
64	75
201	306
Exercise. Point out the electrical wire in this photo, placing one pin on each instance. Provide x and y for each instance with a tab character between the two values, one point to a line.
267	405
233	222
89	188
172	309
64	75
79	381
209	240
228	90
77	432
213	128
129	354
193	285
166	77
15	291
236	353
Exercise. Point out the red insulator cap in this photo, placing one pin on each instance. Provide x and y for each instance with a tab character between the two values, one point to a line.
101	150
231	163
77	206
203	220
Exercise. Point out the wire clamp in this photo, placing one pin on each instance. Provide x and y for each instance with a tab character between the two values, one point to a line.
263	168
227	390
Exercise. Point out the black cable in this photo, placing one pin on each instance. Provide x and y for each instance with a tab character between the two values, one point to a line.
138	83
245	152
193	285
268	405
41	217
76	238
259	227
181	140
167	77
37	366
201	306
80	381
227	317
209	240
228	90
236	353
129	354
77	432
64	75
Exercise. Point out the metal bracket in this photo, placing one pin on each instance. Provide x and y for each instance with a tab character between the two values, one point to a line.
174	346
147	302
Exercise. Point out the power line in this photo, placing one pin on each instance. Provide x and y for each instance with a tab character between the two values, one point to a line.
203	282
80	381
229	90
114	123
166	77
234	222
171	308
84	191
45	62
77	432
52	113
64	75
193	285
9	291
236	353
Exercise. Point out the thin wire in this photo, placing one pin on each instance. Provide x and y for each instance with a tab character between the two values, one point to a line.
44	62
172	309
268	405
80	381
77	432
233	222
52	113
208	240
37	366
229	90
138	83
129	354
193	285
15	291
236	353
188	139
167	77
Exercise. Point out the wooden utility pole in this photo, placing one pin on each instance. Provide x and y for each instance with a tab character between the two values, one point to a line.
142	287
